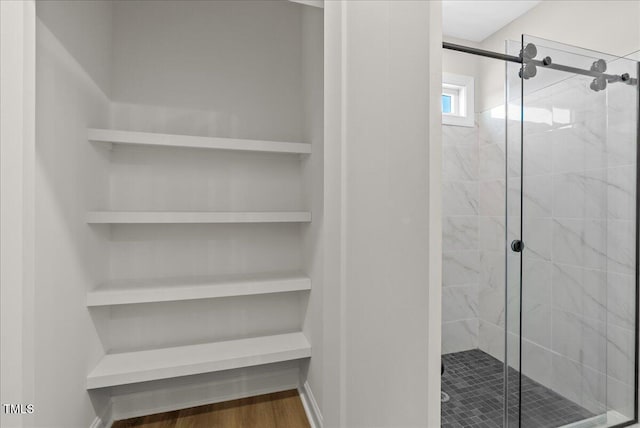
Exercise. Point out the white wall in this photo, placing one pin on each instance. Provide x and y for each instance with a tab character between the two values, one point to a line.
610	26
333	303
313	170
85	28
58	342
462	63
199	68
379	145
17	153
227	68
70	176
238	64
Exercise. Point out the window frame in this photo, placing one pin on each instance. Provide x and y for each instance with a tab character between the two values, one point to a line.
462	91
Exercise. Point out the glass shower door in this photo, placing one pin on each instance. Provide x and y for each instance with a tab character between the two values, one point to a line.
571	293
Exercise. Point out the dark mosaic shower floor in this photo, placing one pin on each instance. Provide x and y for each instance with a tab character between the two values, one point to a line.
474	381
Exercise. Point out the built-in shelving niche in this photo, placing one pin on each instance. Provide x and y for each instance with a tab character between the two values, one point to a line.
140	365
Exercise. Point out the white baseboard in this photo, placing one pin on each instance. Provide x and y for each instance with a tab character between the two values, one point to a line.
181	393
97	423
170	395
105	418
311	406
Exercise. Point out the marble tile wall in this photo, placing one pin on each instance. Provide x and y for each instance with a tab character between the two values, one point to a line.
491	225
621	146
461	256
579	231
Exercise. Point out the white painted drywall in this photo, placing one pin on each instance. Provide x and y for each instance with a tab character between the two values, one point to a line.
17	145
434	200
478	19
230	69
461	63
333	301
610	26
382	70
218	69
70	177
84	27
238	64
313	169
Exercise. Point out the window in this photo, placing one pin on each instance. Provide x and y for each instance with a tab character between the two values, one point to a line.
446	103
457	100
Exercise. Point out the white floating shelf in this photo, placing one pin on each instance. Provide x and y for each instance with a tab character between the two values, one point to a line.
131	367
151	217
168	140
314	3
174	289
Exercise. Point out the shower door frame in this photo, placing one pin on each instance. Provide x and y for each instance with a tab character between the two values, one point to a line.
636	390
518	59
522	79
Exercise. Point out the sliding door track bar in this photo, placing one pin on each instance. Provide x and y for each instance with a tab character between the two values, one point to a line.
528	60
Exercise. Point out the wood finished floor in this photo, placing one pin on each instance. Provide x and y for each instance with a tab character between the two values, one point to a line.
277	410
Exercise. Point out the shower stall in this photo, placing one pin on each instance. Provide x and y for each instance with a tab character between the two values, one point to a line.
540	241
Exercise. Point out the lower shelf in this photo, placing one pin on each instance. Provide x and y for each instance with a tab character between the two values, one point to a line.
142	366
174	289
177	217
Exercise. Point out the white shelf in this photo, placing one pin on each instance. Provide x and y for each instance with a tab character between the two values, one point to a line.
174	289
169	140
129	217
131	367
314	3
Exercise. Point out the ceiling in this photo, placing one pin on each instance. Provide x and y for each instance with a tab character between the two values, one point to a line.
476	20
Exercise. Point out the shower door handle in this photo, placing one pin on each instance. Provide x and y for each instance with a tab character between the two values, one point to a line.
517	246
